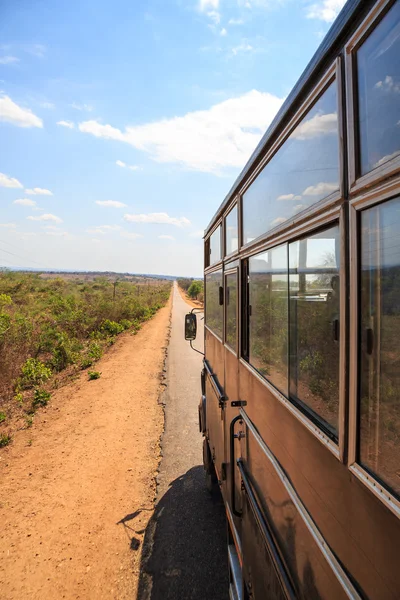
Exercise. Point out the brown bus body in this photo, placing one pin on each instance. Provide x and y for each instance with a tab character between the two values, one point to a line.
300	407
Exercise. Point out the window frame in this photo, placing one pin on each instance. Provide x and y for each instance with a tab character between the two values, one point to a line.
356	182
207	248
371	198
233	271
331	75
330	218
214	269
232	205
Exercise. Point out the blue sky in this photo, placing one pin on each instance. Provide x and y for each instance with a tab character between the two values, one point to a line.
123	125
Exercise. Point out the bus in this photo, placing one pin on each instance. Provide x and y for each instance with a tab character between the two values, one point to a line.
300	390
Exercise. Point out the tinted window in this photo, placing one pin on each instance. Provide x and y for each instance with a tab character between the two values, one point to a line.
303	171
214	311
314	325
268	327
380	335
231	310
231	231
379	93
215	246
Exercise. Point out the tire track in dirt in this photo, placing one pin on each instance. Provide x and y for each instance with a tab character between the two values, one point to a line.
74	505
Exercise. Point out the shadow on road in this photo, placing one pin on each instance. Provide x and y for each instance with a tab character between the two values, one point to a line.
184	554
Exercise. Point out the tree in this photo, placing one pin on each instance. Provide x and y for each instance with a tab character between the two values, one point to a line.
195	289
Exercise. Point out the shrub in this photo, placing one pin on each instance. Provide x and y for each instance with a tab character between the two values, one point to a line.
94	375
3	417
40	398
195	288
34	372
5	439
95	351
111	327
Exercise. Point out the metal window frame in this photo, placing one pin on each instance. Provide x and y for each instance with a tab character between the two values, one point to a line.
210	271
331	75
384	192
207	240
332	216
233	271
356	181
232	205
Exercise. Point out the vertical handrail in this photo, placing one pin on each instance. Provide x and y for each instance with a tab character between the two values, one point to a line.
232	438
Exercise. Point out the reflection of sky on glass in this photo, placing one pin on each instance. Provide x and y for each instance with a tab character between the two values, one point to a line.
272	260
303	171
379	93
381	235
215	246
231	229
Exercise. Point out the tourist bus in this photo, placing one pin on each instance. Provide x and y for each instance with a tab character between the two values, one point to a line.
300	405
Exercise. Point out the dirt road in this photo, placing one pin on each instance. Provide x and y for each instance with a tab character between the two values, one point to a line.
77	489
185	556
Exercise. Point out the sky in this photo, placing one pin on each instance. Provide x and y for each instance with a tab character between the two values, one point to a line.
124	124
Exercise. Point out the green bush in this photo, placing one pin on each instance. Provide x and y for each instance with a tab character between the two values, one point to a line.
34	372
5	439
3	417
195	289
40	398
111	327
94	375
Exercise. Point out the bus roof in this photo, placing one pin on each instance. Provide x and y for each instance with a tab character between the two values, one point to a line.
346	22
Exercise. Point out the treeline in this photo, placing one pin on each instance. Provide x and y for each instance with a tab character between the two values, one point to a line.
48	325
193	287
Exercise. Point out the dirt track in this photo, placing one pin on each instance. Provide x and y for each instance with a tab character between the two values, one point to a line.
77	490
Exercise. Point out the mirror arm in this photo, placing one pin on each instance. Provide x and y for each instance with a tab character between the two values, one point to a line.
191	345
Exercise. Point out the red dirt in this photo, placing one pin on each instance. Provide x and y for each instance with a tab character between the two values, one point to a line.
77	489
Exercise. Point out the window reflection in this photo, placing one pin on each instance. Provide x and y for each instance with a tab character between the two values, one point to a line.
314	325
303	171
231	309
379	93
215	246
231	231
214	311
380	334
268	327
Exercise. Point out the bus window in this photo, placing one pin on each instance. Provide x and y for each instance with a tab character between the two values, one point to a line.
214	246
378	78
214	310
303	171
231	231
231	310
379	406
314	326
268	320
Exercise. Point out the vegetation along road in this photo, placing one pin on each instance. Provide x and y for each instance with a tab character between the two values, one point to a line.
77	488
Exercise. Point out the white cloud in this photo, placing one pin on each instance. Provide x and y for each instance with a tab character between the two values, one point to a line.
9	182
8	225
85	107
122	164
325	10
288	197
10	112
223	32
320	189
388	85
157	218
48	105
25	202
57	233
214	16
244	47
8	60
111	203
46	217
384	159
316	126
278	221
38	192
204	140
299	207
206	4
38	50
103	229
68	124
166	237
130	235
235	22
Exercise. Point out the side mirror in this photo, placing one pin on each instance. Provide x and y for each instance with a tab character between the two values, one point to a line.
190	326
